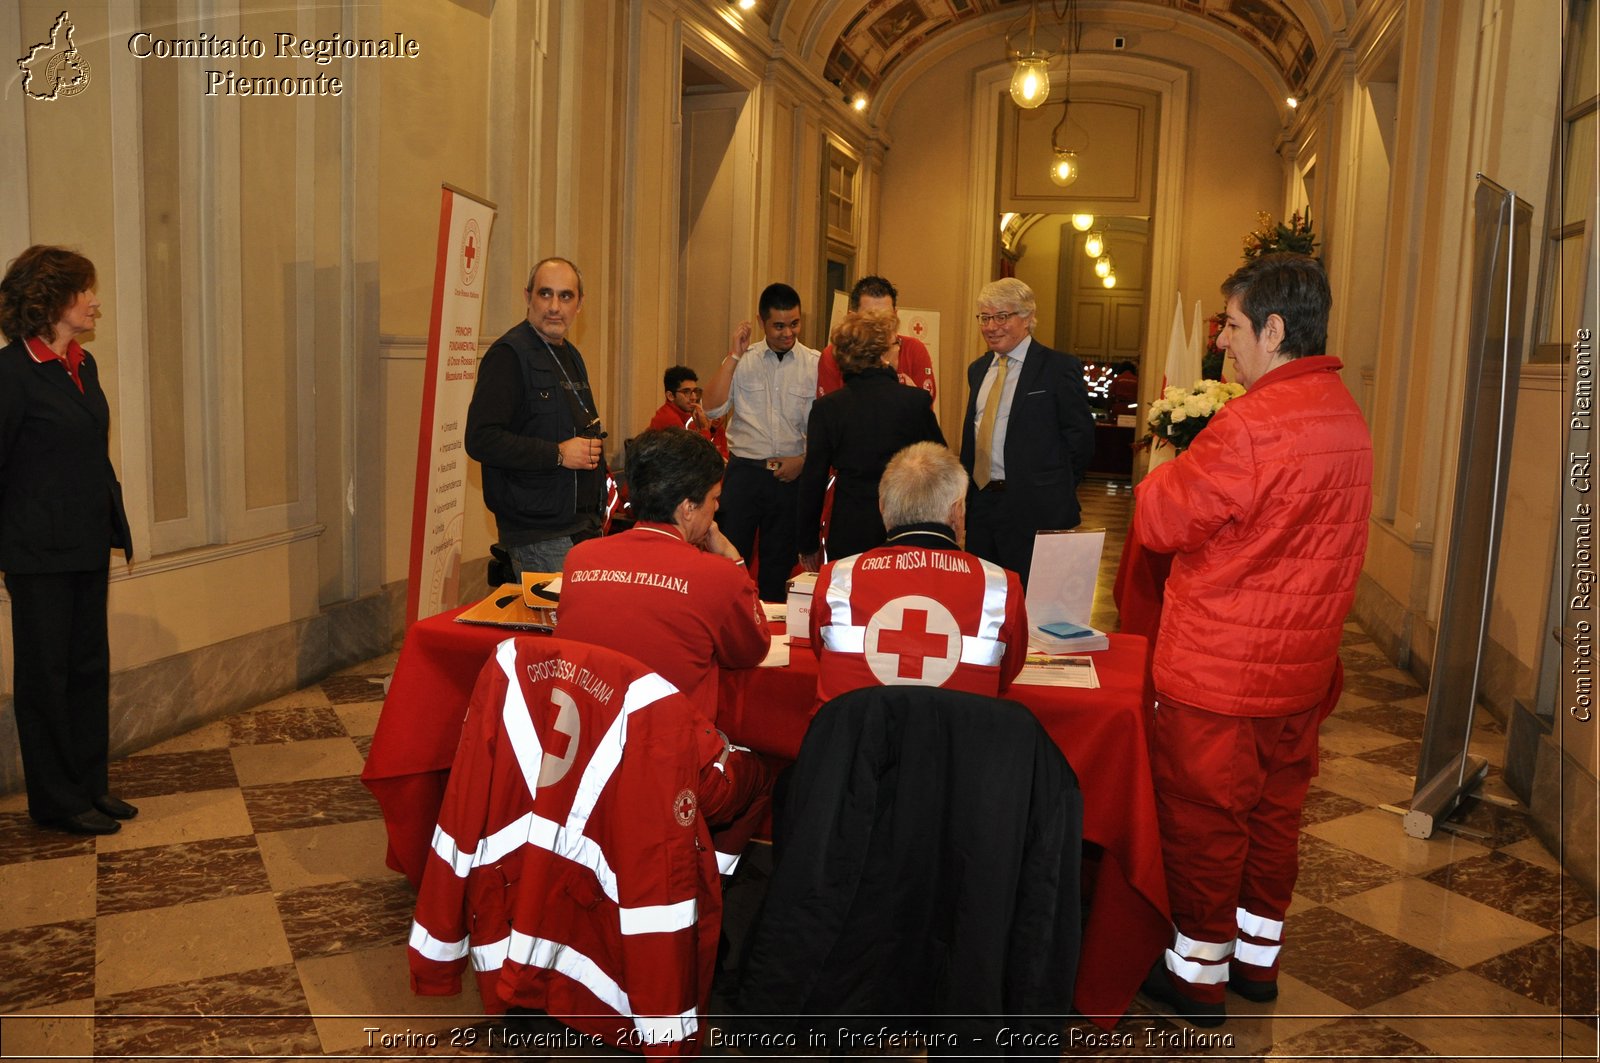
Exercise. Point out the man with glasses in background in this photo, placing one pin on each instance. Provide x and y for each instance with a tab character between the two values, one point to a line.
683	410
1028	435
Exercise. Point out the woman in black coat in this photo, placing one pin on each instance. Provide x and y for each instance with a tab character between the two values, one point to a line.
61	516
854	432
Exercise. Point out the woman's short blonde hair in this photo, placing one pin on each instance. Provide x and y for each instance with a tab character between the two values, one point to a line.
861	341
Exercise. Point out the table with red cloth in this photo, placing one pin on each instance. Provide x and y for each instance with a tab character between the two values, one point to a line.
1102	732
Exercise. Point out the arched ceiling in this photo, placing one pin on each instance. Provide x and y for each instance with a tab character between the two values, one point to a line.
860	42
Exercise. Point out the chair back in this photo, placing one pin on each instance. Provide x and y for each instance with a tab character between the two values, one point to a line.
927	864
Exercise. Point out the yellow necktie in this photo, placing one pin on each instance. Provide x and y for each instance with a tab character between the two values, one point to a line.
991	412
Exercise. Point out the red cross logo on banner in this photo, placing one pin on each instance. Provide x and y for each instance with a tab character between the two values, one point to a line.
918	327
913	641
469	252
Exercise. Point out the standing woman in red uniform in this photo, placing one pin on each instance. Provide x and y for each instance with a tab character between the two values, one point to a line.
61	516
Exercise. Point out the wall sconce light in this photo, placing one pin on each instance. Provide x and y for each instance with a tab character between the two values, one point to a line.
1103	267
1292	101
1083	222
1110	279
858	102
1094	245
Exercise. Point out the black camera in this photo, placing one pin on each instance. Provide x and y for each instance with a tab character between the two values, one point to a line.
592	430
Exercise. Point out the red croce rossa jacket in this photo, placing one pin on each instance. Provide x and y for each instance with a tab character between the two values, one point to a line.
571	862
1266	516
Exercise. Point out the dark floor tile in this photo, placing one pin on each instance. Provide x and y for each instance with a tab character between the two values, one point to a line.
1374	688
1554	970
47	964
347	916
1397	721
1499	825
21	840
284	724
1355	1037
1527	891
348	689
1352	962
1329	872
1322	805
173	773
309	803
263	1012
363	745
163	875
1362	656
1402	756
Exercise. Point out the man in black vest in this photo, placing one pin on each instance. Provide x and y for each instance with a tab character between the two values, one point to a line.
534	426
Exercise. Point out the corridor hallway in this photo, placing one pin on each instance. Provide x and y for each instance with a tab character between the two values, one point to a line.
247	911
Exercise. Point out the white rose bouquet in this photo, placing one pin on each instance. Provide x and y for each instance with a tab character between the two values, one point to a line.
1179	414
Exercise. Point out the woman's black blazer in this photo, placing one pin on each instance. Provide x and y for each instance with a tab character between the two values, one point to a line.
60	502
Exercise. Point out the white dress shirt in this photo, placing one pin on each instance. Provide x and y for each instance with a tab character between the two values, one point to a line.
771	399
1002	417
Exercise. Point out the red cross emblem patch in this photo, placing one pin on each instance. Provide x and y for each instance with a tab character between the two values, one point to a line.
913	641
683	807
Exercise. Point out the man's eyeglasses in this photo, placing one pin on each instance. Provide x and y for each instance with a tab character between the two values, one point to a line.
986	320
691	391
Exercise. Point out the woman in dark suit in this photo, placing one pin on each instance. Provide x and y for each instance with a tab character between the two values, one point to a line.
60	516
854	432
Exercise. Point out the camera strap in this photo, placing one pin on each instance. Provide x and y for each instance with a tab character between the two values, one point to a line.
582	412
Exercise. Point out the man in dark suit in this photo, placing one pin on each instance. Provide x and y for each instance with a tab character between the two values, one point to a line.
1028	435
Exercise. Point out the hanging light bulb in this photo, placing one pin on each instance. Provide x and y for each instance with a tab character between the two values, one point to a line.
1110	279
1030	81
1082	222
1064	170
1094	245
1102	267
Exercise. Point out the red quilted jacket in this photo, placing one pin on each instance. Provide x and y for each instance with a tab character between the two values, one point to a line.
1266	515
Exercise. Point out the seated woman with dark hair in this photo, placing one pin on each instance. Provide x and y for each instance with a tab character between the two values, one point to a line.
673	594
854	432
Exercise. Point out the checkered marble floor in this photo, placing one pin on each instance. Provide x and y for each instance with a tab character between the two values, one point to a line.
248	912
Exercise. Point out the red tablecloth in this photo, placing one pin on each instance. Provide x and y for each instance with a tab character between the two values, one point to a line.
1102	733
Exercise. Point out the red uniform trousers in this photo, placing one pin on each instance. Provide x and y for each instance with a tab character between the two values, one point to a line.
1229	791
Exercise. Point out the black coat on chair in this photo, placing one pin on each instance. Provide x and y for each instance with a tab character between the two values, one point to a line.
928	865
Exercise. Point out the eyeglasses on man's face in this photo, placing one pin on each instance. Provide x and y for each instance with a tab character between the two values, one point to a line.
691	391
985	320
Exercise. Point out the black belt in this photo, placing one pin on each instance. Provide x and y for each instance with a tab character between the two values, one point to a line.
736	460
994	486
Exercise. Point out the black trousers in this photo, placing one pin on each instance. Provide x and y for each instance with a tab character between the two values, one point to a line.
1000	528
758	512
61	683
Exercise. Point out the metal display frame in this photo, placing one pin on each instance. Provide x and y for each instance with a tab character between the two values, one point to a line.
1446	770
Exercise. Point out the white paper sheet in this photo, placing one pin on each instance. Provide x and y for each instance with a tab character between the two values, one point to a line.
1042	670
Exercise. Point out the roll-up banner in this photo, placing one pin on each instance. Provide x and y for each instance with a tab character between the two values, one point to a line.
437	514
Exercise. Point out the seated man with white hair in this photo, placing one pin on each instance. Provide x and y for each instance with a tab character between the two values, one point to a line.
919	610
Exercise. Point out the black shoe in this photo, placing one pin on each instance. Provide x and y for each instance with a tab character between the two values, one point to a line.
89	821
115	807
1158	987
1260	992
